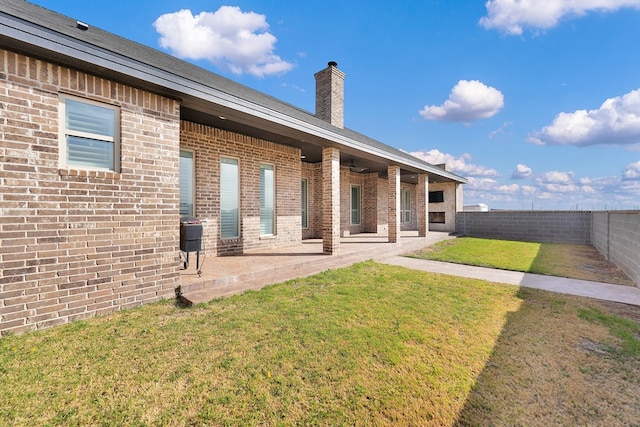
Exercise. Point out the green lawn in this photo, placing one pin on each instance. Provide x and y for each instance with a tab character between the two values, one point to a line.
554	259
366	345
502	254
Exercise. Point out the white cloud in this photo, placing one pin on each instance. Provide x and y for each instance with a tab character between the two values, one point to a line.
500	131
468	101
481	184
556	182
616	122
521	171
558	190
457	165
556	177
632	171
512	16
508	189
229	38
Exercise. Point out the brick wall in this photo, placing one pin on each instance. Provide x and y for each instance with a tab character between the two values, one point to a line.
313	173
209	145
75	244
370	203
383	205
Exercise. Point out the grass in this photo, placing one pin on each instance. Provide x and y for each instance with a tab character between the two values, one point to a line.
367	345
626	330
501	254
564	260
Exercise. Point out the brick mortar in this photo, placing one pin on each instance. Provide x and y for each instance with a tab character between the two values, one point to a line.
60	225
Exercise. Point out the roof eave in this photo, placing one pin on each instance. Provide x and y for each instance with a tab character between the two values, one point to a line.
62	46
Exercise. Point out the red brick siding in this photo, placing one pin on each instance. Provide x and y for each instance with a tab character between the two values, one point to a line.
75	244
209	145
383	205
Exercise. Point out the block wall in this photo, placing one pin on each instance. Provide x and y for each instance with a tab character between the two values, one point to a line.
616	234
209	145
534	226
77	243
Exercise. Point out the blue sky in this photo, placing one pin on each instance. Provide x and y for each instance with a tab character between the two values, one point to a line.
537	103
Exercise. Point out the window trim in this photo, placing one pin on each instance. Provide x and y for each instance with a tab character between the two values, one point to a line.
193	179
273	218
238	216
304	196
359	208
63	133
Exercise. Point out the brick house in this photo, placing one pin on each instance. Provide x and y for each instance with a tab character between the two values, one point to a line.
107	143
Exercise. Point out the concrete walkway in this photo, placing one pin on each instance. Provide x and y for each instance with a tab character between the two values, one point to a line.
584	288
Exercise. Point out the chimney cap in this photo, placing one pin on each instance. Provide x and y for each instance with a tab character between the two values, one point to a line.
332	64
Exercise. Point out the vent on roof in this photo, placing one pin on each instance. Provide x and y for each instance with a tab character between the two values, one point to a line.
82	25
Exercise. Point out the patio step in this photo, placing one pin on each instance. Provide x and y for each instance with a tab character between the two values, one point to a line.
208	290
254	279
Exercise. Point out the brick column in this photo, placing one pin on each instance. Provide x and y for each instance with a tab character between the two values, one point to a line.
422	208
330	201
394	203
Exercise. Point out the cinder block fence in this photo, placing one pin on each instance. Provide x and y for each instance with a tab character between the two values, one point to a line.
616	234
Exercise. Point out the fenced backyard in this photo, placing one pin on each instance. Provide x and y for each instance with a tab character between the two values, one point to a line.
616	234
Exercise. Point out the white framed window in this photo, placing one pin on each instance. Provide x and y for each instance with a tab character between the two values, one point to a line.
355	204
406	205
229	198
89	134
267	199
187	183
304	191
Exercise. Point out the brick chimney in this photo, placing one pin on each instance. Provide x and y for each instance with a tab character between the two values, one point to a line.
330	95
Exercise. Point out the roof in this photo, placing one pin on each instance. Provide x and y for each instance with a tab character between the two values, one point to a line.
205	97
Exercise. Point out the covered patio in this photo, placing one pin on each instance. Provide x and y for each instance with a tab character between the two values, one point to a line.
228	275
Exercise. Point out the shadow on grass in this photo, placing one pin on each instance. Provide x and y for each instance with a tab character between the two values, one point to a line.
549	367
